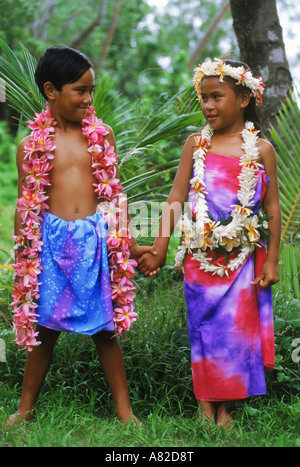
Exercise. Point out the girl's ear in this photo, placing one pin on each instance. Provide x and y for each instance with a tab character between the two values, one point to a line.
50	90
245	99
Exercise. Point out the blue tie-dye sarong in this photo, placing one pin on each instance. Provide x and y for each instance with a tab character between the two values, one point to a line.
75	292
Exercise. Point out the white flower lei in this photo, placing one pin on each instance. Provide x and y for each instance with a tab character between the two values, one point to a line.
242	231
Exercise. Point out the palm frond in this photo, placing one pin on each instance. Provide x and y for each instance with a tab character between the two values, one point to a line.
22	92
286	138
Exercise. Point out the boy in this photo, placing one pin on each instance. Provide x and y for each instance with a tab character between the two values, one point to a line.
74	293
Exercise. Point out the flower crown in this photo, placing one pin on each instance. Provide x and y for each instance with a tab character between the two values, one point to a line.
219	68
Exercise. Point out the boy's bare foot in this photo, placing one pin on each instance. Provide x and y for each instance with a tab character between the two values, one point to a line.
128	418
224	419
17	419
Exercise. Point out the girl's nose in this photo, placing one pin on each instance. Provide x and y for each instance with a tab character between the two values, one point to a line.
210	104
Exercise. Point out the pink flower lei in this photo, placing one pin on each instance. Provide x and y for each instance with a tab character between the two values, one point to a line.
37	164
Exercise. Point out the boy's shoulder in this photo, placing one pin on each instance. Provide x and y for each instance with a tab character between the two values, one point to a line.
21	146
24	141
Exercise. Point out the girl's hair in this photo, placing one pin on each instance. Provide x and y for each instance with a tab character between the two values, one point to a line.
251	109
60	65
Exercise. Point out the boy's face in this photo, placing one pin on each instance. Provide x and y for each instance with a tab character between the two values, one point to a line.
74	99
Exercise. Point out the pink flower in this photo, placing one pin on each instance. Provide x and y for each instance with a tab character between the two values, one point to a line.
110	212
94	129
43	121
116	240
25	336
107	185
124	316
126	265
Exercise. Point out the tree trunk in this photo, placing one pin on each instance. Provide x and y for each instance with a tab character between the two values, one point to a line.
259	36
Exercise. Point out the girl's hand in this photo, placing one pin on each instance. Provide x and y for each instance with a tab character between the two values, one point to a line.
137	251
269	275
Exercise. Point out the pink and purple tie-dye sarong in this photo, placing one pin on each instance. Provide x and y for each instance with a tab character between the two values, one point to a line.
230	321
75	294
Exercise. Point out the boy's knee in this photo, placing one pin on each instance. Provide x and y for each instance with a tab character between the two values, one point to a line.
104	336
47	336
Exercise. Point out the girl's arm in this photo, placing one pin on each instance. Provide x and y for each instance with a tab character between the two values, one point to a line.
149	264
136	251
269	273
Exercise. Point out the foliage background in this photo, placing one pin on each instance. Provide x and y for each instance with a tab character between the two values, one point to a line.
146	66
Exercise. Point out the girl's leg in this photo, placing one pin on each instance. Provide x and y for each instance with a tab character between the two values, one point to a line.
207	410
37	365
111	358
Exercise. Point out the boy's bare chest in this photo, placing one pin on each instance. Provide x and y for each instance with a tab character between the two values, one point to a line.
71	153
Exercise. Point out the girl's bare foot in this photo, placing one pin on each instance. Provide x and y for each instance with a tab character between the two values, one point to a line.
207	413
224	419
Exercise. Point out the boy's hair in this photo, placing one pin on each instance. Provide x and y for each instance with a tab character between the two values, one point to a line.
251	109
60	65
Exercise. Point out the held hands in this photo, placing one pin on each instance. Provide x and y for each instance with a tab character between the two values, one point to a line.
136	251
268	275
148	260
149	264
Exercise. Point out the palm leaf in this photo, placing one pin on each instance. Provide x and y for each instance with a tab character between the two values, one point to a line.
22	92
287	143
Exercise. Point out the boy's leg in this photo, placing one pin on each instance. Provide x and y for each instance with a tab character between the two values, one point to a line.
37	365
111	358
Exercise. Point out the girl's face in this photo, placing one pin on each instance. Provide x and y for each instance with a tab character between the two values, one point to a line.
222	108
74	99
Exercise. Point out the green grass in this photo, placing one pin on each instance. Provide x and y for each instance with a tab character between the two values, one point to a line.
75	407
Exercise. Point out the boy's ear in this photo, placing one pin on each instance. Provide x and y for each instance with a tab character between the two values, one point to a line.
49	89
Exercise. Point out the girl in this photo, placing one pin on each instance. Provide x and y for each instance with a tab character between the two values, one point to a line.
229	175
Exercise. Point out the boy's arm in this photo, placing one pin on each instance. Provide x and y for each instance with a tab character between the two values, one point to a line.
171	212
21	179
269	273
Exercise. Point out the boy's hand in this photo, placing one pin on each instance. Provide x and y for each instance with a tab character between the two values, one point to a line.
150	264
268	275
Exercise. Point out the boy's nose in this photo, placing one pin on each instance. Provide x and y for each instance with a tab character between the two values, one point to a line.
88	99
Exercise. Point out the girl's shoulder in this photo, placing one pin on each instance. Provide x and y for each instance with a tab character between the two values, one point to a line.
191	138
266	152
265	147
